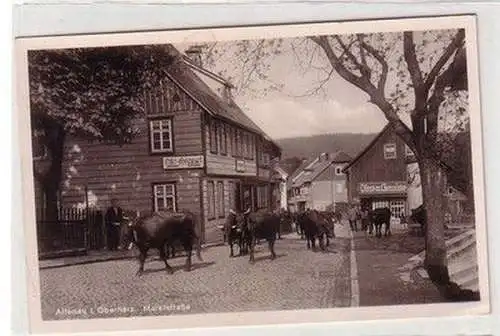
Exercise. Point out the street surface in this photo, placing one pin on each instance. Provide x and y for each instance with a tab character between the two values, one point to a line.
297	279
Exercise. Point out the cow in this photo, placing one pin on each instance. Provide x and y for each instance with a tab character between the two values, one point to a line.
162	230
381	216
233	233
418	215
314	226
260	224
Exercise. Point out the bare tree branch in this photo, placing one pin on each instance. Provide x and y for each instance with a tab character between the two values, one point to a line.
385	67
457	42
413	67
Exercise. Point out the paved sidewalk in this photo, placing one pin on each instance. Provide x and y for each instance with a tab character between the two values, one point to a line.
381	279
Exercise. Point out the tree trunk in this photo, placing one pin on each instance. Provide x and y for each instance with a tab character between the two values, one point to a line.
51	181
433	183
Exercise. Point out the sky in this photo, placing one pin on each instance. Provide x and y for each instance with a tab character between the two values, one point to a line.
343	108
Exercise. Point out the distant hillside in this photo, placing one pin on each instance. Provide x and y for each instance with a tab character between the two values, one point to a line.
306	147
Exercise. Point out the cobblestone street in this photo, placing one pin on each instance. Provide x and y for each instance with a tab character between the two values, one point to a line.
297	279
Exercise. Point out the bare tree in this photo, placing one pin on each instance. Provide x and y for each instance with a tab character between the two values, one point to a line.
401	73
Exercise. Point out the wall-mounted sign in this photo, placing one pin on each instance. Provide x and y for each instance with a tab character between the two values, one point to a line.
183	162
393	187
240	166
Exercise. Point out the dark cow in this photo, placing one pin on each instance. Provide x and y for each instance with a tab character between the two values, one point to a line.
261	224
314	226
163	229
418	215
381	216
234	234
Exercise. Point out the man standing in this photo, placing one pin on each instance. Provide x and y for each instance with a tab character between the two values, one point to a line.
353	214
113	220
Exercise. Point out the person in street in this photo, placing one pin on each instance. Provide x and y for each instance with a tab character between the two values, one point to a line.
365	224
113	220
352	218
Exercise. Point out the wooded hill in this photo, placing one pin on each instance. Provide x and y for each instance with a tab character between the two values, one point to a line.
311	146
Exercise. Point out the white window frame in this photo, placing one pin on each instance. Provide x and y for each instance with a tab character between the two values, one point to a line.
391	144
164	124
161	188
338	171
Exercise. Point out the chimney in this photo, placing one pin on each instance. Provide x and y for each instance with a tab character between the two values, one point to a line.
194	54
227	94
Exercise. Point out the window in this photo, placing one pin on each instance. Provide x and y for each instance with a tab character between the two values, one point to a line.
220	199
223	138
379	204
211	199
39	148
252	147
390	151
338	170
160	131
164	197
262	197
397	208
213	136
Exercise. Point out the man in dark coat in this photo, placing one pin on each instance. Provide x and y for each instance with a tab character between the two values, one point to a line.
113	220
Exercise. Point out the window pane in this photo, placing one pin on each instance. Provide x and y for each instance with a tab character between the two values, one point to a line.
170	204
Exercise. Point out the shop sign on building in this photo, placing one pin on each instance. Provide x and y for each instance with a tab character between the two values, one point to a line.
380	188
240	166
183	162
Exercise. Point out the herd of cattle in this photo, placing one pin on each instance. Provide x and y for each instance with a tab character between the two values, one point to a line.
162	230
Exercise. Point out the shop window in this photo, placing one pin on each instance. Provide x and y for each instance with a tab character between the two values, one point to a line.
397	208
164	197
380	204
390	152
160	131
220	199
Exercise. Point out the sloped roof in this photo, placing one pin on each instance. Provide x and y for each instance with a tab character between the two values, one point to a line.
184	76
299	170
314	172
368	147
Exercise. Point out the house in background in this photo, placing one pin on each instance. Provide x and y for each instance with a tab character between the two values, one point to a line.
319	183
279	179
385	174
197	151
377	176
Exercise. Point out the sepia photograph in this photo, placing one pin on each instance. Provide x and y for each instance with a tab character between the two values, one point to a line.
202	174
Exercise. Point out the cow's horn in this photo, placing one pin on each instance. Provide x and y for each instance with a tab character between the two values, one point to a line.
247	212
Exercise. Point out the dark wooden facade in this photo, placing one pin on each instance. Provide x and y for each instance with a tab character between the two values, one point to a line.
187	156
377	177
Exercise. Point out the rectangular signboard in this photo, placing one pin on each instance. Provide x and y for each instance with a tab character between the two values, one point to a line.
183	162
392	187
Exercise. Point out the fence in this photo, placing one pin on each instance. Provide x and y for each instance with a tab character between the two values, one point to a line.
75	231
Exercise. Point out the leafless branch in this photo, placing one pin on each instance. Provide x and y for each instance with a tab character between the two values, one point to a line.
457	42
411	60
385	67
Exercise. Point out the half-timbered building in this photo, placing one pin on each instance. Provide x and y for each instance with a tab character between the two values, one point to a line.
196	150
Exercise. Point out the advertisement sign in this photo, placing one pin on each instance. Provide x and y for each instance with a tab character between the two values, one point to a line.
380	188
183	162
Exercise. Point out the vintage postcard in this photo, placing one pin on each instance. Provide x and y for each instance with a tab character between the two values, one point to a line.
239	176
